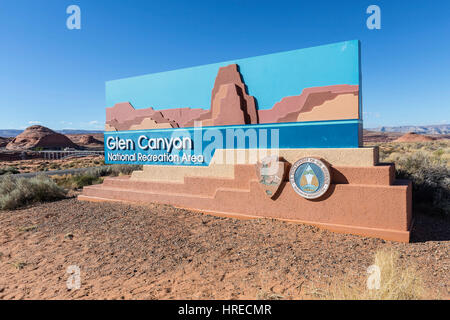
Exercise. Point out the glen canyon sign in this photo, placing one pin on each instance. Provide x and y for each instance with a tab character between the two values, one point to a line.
274	136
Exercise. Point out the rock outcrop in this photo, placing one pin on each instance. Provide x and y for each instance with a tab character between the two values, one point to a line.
4	142
88	139
413	137
40	137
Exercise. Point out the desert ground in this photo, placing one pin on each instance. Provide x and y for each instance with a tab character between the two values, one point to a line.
161	252
127	251
37	165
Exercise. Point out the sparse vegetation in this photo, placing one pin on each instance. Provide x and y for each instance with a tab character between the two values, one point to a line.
18	192
93	176
8	170
264	295
28	228
19	265
36	165
396	282
427	165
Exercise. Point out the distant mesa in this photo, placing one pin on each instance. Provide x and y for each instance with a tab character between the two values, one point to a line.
441	129
232	105
40	137
413	137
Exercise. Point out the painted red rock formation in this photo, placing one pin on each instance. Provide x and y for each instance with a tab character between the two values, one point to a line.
232	105
289	108
231	74
39	136
184	116
123	115
227	107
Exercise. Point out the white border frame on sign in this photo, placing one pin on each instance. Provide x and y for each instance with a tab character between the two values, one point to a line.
326	174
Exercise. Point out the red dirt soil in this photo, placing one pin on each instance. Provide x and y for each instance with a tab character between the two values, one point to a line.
160	252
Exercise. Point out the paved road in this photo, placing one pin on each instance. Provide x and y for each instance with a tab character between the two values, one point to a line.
54	172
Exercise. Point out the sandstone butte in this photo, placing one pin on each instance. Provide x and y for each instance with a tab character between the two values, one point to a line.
413	137
87	139
40	137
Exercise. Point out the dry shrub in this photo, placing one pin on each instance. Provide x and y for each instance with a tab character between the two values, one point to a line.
18	192
431	181
396	282
427	165
74	182
8	170
94	175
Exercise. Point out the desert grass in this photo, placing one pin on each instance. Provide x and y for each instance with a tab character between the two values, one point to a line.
8	170
38	165
19	192
397	282
427	165
93	176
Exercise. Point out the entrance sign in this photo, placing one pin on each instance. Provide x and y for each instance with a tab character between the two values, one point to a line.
309	97
274	136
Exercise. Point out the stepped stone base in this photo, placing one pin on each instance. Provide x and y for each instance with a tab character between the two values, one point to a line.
363	200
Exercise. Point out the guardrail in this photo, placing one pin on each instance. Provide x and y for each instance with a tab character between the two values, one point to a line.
61	154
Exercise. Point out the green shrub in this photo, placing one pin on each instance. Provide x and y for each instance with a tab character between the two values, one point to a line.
94	175
18	192
77	181
427	165
8	170
431	180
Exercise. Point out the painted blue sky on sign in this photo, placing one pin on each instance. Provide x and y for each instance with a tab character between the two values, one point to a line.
269	78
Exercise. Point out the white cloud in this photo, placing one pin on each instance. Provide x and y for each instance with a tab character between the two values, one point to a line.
94	124
34	122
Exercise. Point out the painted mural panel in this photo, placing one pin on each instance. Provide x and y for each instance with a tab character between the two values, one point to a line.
312	96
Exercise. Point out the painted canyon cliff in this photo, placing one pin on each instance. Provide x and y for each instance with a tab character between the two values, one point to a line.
232	105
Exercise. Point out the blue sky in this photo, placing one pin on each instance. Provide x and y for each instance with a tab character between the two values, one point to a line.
56	77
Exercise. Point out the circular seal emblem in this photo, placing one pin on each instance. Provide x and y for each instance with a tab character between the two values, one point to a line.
310	177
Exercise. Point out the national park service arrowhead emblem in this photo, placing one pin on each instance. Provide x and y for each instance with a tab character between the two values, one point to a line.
310	177
270	173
